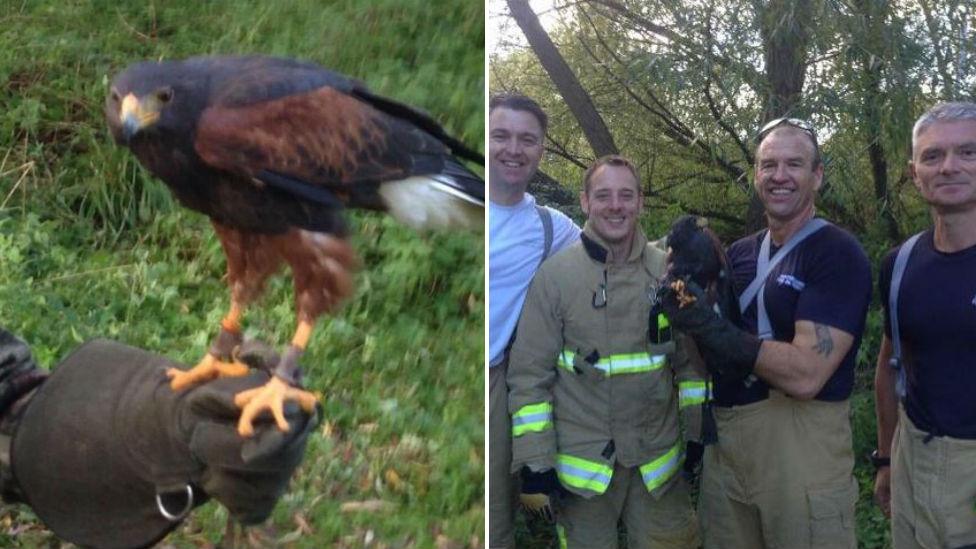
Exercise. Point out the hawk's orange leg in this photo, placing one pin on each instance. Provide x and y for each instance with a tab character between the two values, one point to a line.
215	363
273	395
322	266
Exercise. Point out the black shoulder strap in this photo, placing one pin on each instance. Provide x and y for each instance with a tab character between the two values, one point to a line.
546	219
901	263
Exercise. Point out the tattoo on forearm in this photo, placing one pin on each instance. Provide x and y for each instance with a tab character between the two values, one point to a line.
825	344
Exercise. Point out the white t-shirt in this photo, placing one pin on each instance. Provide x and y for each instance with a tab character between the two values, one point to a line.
516	242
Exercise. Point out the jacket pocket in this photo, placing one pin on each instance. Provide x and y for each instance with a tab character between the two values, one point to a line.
832	515
588	366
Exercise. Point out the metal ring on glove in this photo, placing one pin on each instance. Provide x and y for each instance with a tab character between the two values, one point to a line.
183	512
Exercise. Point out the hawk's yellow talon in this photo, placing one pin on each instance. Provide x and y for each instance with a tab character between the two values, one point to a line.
271	397
207	369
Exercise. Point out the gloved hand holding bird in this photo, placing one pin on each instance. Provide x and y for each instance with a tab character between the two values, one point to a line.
698	298
124	469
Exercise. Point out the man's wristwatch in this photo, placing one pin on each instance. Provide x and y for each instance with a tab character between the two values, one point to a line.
879	461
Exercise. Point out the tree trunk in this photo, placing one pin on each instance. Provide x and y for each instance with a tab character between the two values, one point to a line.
874	16
786	36
941	55
579	102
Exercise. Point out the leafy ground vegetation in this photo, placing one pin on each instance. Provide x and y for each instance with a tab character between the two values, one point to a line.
92	246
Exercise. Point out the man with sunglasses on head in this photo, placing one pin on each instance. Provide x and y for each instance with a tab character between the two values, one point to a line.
924	398
780	474
594	402
521	235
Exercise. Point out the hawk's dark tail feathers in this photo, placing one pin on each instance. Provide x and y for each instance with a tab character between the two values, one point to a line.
465	180
422	120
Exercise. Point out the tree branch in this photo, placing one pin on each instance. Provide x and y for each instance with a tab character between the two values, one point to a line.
594	128
719	119
670	125
752	76
560	150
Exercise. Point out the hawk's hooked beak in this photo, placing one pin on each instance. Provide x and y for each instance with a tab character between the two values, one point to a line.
136	115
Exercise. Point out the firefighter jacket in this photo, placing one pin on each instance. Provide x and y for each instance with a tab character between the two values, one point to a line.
586	386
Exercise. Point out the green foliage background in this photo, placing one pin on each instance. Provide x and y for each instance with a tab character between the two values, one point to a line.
92	246
682	88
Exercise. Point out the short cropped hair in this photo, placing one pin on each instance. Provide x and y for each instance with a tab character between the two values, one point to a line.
610	160
797	124
519	102
943	112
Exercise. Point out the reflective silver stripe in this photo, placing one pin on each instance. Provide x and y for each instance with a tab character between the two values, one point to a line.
692	392
661	469
583	474
532	418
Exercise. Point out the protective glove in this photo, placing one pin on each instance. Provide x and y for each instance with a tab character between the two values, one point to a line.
246	475
728	351
538	489
18	372
693	458
108	455
19	375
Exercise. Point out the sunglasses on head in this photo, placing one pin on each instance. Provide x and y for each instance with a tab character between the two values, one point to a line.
785	121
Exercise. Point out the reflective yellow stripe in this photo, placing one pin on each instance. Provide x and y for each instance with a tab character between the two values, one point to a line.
661	469
583	474
693	392
532	418
631	363
565	359
663	328
561	534
662	321
624	363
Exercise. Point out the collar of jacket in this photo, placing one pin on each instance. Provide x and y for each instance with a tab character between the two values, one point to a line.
599	251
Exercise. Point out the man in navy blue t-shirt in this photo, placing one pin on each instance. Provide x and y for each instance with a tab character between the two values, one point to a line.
780	474
929	489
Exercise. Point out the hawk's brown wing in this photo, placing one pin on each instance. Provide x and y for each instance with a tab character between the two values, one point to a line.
316	143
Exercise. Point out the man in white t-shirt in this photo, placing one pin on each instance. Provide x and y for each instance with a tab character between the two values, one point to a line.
520	235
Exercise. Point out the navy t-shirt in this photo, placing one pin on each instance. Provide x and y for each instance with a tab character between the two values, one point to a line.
826	279
937	322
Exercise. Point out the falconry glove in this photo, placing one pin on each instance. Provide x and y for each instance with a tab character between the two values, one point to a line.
19	375
18	372
727	351
108	455
693	458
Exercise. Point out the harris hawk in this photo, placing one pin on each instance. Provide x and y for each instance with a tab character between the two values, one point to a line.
696	255
273	150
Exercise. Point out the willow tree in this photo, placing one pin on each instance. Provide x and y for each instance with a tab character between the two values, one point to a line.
682	87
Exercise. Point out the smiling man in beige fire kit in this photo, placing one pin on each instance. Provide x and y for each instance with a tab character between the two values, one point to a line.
594	403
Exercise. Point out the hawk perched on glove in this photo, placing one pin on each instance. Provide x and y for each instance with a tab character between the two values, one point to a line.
273	150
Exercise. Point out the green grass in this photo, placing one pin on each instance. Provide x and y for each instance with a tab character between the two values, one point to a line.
92	246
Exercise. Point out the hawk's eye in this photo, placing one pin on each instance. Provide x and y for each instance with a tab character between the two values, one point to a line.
164	95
